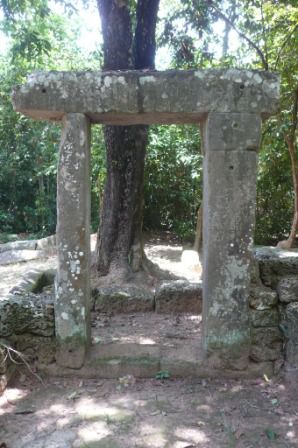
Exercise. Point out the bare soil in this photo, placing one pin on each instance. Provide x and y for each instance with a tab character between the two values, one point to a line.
149	413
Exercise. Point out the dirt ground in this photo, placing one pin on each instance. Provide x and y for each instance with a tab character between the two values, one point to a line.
149	413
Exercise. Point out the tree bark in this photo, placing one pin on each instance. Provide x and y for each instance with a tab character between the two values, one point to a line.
120	248
199	230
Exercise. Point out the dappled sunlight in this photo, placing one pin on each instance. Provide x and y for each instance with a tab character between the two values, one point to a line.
11	397
152	436
94	431
191	435
89	409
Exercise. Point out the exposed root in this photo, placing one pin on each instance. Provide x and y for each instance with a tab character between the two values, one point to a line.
18	358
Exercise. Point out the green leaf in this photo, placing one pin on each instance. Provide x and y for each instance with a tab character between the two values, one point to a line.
271	434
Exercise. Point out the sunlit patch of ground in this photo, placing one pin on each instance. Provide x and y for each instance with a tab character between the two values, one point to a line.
149	413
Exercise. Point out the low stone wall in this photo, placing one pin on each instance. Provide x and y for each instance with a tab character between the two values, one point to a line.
27	319
274	313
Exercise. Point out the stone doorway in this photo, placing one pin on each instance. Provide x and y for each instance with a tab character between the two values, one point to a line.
229	105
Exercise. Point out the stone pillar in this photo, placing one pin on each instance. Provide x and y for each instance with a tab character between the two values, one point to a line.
230	165
72	315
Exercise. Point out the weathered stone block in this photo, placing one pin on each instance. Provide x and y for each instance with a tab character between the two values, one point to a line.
264	318
276	263
72	305
232	132
36	348
289	324
229	216
126	299
131	97
27	314
266	344
3	360
179	296
255	272
262	298
287	289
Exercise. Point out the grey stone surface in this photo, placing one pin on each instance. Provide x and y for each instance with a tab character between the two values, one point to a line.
27	314
38	349
234	132
72	314
34	281
126	299
229	216
266	344
130	97
287	289
262	298
276	263
255	272
289	324
179	296
3	360
48	244
264	318
18	245
20	255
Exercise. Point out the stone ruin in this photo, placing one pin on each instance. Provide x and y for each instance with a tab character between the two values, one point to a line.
229	105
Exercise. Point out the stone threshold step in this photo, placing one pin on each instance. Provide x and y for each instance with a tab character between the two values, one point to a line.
115	360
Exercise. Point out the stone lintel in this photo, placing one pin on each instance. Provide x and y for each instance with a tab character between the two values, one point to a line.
72	320
131	97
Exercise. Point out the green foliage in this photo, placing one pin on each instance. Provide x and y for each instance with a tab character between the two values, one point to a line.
173	177
162	375
28	156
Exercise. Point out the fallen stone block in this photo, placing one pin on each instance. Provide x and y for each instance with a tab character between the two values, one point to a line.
179	296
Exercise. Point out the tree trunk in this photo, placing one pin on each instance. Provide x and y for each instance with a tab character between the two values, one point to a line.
120	248
291	140
199	230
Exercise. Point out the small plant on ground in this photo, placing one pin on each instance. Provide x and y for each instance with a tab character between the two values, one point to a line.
162	375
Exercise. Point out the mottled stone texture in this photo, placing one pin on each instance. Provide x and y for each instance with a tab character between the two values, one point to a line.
73	242
229	216
137	97
179	296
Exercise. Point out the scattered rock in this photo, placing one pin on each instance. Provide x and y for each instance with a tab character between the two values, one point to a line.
179	296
